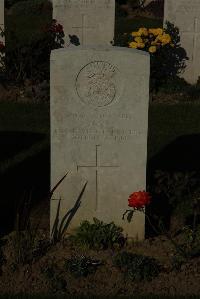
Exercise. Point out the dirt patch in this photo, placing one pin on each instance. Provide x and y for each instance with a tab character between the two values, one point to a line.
38	276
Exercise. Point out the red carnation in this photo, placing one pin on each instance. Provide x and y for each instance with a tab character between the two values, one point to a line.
2	46
56	27
59	28
139	199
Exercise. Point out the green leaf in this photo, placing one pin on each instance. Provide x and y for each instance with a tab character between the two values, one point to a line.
130	215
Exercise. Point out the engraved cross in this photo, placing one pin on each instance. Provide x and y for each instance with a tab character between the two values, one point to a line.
97	166
83	27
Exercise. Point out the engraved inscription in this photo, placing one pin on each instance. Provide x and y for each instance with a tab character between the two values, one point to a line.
100	135
83	3
97	83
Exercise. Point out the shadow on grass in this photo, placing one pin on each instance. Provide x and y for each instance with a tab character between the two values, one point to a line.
182	155
11	143
31	174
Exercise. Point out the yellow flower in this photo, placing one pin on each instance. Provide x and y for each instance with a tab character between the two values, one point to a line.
135	33
141	45
133	45
143	31
156	31
152	49
138	39
164	39
154	43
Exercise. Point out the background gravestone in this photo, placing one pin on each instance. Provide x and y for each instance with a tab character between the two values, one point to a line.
186	16
99	120
2	17
91	20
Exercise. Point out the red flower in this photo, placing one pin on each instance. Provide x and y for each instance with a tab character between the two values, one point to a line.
2	46
139	199
59	28
56	27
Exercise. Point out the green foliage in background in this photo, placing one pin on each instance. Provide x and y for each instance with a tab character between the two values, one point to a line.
166	62
28	41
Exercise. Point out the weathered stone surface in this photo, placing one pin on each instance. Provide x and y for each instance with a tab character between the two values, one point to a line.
91	20
99	122
186	16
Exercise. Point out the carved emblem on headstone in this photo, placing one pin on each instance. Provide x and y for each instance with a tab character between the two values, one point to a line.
96	83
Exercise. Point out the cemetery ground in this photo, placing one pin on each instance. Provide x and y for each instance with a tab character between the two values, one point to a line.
173	143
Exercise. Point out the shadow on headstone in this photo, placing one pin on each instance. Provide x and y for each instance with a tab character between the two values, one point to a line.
182	155
29	176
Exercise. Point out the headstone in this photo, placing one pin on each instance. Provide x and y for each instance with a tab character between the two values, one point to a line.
92	21
186	16
1	18
99	120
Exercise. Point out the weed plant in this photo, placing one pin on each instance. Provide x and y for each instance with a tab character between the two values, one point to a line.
98	235
137	267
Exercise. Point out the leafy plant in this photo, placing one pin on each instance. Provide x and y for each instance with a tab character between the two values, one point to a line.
98	235
169	61
31	59
167	57
82	265
52	273
137	267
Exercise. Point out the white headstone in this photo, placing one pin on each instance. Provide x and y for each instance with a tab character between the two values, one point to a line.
99	122
92	21
186	16
1	18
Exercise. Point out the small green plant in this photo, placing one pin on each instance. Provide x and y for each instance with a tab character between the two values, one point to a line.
177	261
98	235
81	266
137	267
190	245
190	242
53	275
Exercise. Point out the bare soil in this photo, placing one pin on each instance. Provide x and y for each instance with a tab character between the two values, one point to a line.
107	280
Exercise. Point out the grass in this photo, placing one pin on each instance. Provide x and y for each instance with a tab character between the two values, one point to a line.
24	131
24	117
167	122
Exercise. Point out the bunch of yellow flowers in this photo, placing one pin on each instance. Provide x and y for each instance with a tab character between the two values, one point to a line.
150	39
